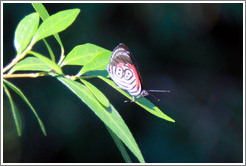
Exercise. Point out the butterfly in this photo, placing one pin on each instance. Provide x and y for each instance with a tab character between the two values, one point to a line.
124	72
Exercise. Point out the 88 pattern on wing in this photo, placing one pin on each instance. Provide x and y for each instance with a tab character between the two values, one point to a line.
123	71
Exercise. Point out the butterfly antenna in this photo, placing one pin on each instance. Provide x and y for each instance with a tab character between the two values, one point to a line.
161	91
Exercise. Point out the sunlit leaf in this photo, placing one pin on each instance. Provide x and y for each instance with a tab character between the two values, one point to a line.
97	66
109	116
19	92
97	93
56	23
83	54
25	31
40	9
47	61
30	64
43	13
145	103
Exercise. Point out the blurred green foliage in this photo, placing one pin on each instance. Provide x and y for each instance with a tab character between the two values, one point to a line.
195	50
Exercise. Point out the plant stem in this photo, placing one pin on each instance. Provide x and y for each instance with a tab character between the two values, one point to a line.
86	77
30	75
12	63
62	57
71	77
18	58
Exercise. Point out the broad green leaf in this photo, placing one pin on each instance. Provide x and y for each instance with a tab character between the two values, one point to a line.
25	31
83	54
30	64
97	93
97	66
120	146
145	103
19	92
109	116
56	23
47	61
14	111
43	13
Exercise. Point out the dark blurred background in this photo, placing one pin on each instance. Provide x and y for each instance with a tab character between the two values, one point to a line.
194	50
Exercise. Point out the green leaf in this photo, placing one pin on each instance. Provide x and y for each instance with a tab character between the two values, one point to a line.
120	146
14	111
25	31
82	54
52	56
145	103
56	23
97	66
19	92
97	93
40	9
109	116
43	13
30	64
47	61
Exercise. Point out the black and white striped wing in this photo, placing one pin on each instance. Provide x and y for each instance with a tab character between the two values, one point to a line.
123	71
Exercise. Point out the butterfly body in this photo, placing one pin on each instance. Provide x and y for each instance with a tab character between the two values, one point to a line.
124	71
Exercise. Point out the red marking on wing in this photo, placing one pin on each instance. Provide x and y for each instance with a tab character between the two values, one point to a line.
120	64
135	73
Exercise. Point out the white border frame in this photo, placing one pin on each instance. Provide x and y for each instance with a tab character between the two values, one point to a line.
2	2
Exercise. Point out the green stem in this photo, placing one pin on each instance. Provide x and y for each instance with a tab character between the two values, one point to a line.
30	75
86	77
18	57
62	55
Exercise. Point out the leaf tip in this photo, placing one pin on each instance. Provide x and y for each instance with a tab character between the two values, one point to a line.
170	120
19	134
44	131
76	11
45	134
173	121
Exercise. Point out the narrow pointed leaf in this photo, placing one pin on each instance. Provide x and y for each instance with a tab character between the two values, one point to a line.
25	31
52	56
109	116
30	64
120	146
97	93
43	13
47	61
97	66
40	9
14	111
56	23
145	103
19	92
83	54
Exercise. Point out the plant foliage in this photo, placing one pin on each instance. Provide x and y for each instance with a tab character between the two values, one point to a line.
93	60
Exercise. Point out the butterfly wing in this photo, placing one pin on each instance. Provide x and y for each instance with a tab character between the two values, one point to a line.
124	71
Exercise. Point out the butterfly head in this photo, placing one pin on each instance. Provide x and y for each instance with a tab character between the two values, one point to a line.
144	93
